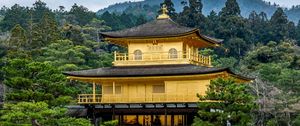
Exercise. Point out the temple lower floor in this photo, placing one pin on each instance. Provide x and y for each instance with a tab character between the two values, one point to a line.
153	120
173	114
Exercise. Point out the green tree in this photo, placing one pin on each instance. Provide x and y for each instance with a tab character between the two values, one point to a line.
66	56
37	113
229	62
237	47
127	19
231	8
112	20
258	27
232	28
271	53
81	15
44	32
18	38
110	123
286	79
231	102
35	81
192	16
141	19
92	29
279	25
73	33
38	11
298	33
13	16
212	23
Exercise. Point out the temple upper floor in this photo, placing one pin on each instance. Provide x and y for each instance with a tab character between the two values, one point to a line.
160	42
160	53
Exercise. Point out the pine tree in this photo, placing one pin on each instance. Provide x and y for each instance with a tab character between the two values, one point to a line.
18	38
13	16
39	9
231	8
298	33
127	19
212	23
140	20
232	25
231	104
112	20
192	16
279	25
257	24
81	14
44	32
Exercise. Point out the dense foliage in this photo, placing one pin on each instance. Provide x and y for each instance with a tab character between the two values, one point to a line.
37	114
37	44
225	102
246	7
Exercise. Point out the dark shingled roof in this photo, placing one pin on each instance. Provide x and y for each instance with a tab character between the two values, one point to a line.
156	28
155	70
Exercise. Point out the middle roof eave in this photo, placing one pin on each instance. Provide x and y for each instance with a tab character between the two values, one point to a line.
159	70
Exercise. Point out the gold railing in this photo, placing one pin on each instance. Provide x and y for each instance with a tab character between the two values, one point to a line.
197	59
89	98
151	98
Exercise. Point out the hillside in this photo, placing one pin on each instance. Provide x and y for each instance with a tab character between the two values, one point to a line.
247	6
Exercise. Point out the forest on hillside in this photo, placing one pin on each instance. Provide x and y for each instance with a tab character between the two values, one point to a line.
37	44
246	6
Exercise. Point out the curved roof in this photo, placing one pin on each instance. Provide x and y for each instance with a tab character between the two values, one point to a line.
157	29
140	71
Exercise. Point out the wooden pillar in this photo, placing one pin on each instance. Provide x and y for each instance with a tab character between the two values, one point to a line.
115	55
189	53
94	92
152	120
122	119
185	120
114	88
209	60
172	120
137	119
144	121
166	116
113	111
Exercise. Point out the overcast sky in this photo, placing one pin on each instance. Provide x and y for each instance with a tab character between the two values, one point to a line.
95	5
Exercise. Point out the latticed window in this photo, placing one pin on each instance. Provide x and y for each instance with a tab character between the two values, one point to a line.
158	88
138	55
173	53
109	89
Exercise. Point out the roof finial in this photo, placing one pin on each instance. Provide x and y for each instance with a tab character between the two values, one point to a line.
164	14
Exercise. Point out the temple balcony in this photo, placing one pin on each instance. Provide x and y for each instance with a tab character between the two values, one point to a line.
160	58
153	98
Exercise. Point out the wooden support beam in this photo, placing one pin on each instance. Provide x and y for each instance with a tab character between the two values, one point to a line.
166	115
172	120
114	88
94	92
